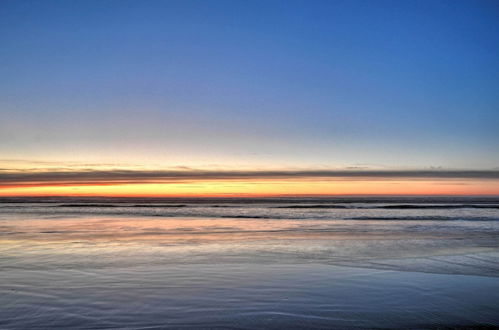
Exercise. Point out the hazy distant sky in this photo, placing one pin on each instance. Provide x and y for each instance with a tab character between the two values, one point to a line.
251	84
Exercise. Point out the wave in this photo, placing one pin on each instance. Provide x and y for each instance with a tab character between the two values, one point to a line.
313	207
117	205
248	217
154	205
392	207
86	205
427	218
448	206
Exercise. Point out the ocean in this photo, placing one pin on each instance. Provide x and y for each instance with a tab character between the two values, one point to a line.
249	263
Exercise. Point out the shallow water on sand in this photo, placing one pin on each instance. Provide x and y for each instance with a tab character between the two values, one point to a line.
229	264
244	296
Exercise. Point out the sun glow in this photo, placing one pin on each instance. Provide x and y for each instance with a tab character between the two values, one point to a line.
264	188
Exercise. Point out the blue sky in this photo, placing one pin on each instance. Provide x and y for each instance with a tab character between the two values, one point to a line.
399	84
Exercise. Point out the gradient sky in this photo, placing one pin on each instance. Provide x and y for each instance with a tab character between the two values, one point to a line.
250	85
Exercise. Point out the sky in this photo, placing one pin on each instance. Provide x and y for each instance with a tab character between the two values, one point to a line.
209	97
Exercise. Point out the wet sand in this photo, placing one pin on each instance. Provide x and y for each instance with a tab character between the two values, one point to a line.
244	296
109	271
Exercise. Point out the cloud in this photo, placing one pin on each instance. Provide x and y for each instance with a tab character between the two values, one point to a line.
11	178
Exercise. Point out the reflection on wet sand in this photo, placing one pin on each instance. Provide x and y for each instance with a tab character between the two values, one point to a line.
399	245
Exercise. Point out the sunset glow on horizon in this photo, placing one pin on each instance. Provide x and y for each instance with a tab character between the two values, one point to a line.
222	183
261	189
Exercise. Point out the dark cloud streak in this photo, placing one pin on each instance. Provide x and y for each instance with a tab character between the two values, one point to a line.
90	177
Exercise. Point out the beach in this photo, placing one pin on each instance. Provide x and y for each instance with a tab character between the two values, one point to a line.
246	264
221	164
